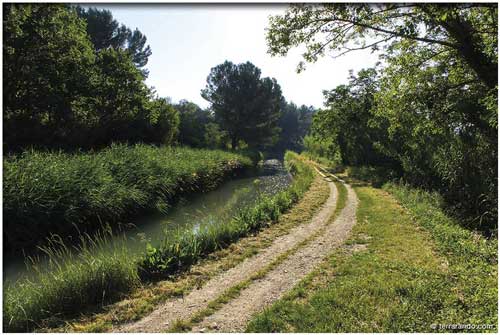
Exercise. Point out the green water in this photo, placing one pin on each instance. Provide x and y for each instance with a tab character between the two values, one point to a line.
215	206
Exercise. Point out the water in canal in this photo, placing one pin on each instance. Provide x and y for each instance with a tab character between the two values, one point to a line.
215	206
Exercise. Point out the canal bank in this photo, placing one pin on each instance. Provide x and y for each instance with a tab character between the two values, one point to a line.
100	278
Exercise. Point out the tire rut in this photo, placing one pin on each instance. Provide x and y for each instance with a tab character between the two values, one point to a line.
198	299
235	315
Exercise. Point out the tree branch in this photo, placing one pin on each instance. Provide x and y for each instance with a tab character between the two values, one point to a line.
385	31
363	47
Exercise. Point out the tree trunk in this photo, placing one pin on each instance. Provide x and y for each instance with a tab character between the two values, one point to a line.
468	45
234	142
470	50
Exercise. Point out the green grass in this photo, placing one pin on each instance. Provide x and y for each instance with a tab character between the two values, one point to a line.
83	279
234	291
471	257
184	249
54	192
93	274
399	272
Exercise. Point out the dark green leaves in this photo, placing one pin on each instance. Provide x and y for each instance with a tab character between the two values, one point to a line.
245	105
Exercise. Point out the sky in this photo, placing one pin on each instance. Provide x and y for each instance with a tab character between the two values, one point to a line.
188	40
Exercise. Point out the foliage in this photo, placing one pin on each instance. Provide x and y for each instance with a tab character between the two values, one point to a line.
346	121
429	114
294	123
245	105
405	281
447	137
47	66
124	109
61	91
198	127
54	192
105	32
467	30
181	250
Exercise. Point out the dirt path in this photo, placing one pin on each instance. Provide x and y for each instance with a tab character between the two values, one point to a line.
184	308
234	316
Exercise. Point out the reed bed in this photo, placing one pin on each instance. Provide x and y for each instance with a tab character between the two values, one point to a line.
75	278
59	193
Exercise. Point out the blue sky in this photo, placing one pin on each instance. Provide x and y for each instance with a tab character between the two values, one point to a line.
188	40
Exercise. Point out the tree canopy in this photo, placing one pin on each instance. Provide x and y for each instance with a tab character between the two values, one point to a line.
105	32
198	127
60	90
244	104
467	30
429	111
294	125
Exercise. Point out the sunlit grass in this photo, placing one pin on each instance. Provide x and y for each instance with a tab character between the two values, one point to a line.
412	270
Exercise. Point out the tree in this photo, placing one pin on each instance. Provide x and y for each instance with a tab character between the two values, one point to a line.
47	66
214	137
441	129
245	105
193	121
125	108
294	124
59	92
163	123
105	32
433	111
347	121
468	30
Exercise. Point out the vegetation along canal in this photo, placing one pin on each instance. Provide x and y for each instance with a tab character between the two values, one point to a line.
205	208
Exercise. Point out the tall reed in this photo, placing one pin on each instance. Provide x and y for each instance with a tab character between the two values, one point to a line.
54	192
90	274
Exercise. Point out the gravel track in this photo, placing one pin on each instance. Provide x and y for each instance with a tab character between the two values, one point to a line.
234	316
184	308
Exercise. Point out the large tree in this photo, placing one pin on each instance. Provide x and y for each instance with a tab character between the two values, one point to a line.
59	91
294	123
434	107
193	120
47	68
245	105
347	120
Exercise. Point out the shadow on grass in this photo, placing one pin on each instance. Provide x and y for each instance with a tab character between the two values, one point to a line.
361	176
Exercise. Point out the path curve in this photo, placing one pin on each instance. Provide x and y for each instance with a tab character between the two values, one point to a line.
235	315
198	299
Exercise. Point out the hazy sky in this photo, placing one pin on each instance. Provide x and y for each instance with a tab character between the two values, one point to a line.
188	40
